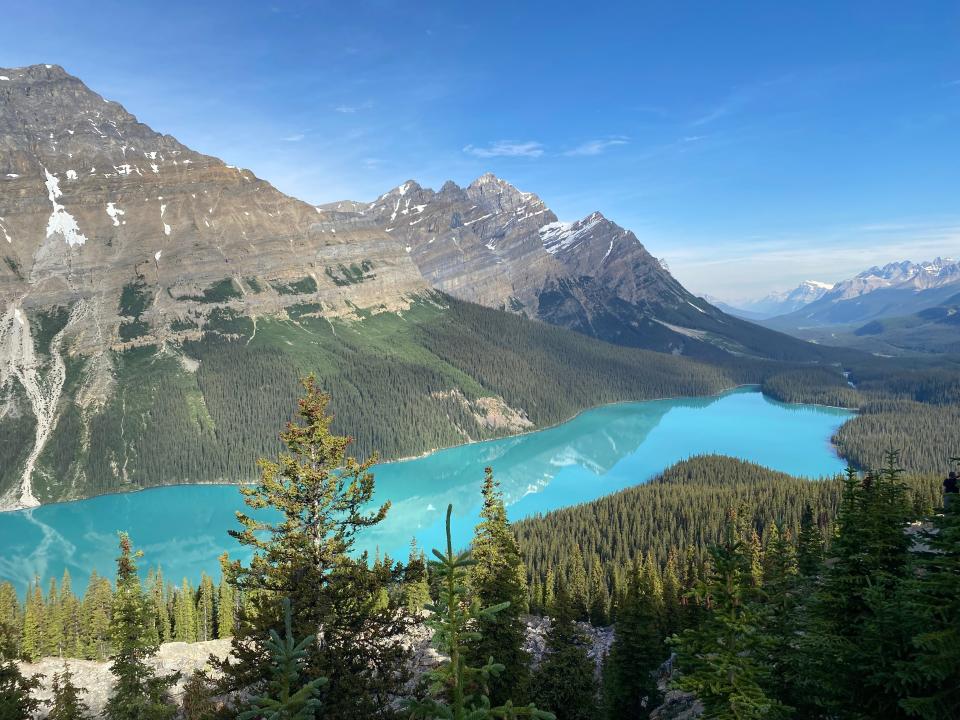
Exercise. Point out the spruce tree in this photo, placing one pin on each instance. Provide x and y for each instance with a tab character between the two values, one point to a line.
416	584
629	686
16	692
319	498
226	601
565	682
599	595
66	703
722	660
931	672
138	693
96	612
859	636
205	611
809	544
70	618
498	575
52	645
577	585
11	622
288	696
34	643
457	689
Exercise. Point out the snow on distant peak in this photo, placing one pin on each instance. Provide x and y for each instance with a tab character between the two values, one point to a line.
61	222
558	236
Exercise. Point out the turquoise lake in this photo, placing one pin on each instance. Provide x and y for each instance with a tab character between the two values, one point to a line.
183	529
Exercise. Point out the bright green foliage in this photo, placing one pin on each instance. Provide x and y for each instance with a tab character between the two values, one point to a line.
722	660
70	619
565	682
16	699
498	575
163	629
34	643
185	618
138	693
205	611
321	498
630	689
932	672
226	602
66	704
11	622
416	584
96	612
577	585
457	689
289	697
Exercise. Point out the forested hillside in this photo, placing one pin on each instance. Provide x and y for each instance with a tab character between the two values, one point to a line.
439	374
910	404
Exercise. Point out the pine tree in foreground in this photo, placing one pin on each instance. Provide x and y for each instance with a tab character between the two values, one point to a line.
498	575
457	689
66	704
565	682
288	696
138	693
317	499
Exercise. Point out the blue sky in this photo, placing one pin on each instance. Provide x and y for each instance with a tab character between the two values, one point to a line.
752	145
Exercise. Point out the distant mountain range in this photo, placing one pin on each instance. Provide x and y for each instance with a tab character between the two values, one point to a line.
157	306
780	303
896	289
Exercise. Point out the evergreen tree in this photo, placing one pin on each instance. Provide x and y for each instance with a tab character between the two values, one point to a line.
858	637
205	611
138	693
52	623
226	601
809	544
16	692
11	622
288	697
458	689
416	585
565	682
673	616
66	703
70	618
549	592
96	612
321	496
629	686
931	671
34	642
722	659
599	595
498	575
577	585
185	622
156	588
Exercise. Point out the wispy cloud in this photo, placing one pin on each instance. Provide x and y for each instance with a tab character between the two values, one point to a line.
294	138
596	147
507	148
350	109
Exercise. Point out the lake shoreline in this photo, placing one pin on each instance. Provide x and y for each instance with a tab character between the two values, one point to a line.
410	458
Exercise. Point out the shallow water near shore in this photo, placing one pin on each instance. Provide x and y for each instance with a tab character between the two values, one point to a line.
183	529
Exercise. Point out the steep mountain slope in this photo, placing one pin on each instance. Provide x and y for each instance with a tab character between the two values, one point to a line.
493	244
158	307
114	236
895	289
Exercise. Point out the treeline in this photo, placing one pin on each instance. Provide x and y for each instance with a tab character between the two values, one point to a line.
673	519
57	623
910	404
